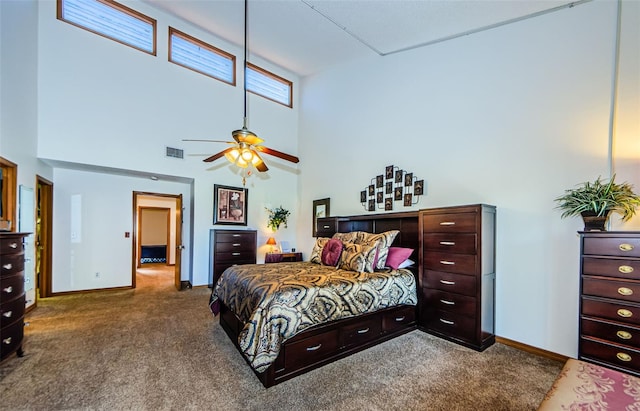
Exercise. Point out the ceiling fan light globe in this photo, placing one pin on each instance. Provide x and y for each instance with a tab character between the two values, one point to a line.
232	155
247	155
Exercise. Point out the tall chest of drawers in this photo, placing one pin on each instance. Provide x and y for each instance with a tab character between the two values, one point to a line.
12	295
457	274
231	247
610	299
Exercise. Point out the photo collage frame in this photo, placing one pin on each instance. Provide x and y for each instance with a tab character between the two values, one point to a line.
392	187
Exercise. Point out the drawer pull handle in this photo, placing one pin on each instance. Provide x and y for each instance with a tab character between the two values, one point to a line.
445	262
7	266
316	347
442	320
236	235
8	314
625	247
237	244
622	356
625	269
445	282
363	331
8	290
624	313
7	341
13	245
623	335
398	319
448	223
447	302
326	227
625	291
235	253
447	243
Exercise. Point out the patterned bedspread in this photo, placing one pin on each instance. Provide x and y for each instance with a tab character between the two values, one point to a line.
277	301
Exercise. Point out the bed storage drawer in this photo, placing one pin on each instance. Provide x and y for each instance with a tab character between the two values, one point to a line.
356	334
311	350
394	321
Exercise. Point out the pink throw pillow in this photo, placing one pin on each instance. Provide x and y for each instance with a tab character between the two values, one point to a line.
331	252
397	255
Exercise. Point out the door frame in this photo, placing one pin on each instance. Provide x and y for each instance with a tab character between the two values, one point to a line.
44	245
178	235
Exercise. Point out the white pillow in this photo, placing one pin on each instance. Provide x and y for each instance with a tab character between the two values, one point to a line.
406	263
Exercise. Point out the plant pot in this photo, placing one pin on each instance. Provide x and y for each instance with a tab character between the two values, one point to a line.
593	222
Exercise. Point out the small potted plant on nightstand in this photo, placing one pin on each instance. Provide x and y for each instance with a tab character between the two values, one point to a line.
594	201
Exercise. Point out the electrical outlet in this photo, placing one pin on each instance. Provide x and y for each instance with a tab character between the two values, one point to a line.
97	275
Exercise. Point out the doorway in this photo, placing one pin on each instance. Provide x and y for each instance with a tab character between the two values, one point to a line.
43	235
169	208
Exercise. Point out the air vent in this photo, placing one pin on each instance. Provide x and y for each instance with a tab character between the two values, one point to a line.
175	152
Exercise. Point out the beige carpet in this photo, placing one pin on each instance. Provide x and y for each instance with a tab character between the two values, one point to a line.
156	348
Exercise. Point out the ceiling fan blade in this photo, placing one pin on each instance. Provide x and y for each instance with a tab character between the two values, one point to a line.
208	141
277	153
217	155
258	163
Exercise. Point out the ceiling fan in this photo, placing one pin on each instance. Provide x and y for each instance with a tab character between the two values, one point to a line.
246	144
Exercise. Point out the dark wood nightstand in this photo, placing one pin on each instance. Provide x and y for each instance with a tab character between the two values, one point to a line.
281	257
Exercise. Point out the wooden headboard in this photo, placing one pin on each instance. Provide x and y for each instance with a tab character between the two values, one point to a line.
405	222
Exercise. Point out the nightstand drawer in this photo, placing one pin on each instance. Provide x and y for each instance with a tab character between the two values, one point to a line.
611	267
612	310
614	246
450	243
450	282
614	332
621	290
452	263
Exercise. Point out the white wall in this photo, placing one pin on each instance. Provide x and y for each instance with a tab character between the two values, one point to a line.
106	104
510	116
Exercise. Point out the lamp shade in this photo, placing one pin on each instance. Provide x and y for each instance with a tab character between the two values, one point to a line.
271	241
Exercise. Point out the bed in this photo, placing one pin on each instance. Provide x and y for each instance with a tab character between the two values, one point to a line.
289	318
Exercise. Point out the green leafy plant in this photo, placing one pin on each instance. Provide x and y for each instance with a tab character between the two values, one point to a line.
277	217
599	198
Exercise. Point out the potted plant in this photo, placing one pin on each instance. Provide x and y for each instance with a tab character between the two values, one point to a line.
277	217
594	201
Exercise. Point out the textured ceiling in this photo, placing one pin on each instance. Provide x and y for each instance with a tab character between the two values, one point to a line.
306	36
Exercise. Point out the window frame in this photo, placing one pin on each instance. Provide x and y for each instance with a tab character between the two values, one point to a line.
8	195
205	45
275	77
122	8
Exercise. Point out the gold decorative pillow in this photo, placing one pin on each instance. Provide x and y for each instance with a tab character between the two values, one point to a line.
346	237
384	241
357	257
316	254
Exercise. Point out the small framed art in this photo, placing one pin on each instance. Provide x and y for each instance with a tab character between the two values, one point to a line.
320	210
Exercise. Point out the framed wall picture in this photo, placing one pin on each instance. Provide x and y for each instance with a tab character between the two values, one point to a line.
407	200
408	179
418	188
320	210
363	196
388	187
398	176
388	173
388	204
397	193
379	181
230	205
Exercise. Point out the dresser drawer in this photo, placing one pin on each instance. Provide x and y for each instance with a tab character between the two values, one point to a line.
236	256
11	338
450	243
450	223
454	325
455	303
617	333
356	334
450	282
398	319
620	356
11	245
453	263
617	311
11	311
11	264
611	267
235	247
236	237
620	290
11	286
614	246
310	350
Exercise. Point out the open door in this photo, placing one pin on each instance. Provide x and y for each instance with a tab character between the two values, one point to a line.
174	247
43	235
